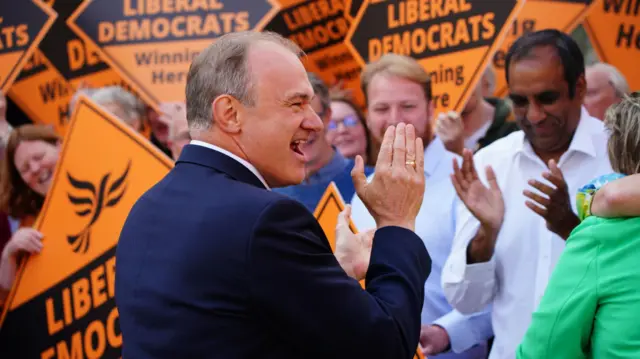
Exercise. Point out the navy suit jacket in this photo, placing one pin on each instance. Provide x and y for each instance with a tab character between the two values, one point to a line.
210	264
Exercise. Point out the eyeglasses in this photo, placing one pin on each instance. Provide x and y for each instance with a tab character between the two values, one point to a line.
349	121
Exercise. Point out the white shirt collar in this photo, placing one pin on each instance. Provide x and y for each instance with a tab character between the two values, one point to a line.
248	165
582	139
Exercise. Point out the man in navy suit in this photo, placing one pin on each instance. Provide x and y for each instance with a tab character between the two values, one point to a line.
212	264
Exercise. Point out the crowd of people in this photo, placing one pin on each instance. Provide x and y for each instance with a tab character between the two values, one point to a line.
527	261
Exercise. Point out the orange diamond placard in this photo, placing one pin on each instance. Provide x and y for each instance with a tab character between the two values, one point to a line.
567	15
152	44
613	27
453	40
23	24
65	294
319	27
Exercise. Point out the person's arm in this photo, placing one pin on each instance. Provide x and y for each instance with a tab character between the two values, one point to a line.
619	198
300	291
561	326
25	240
468	284
465	331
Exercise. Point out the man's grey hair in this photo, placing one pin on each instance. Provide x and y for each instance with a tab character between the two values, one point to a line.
221	69
131	106
616	78
321	90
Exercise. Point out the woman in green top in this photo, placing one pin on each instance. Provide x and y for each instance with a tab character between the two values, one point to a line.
591	307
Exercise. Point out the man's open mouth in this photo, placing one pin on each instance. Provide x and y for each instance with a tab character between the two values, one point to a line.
296	146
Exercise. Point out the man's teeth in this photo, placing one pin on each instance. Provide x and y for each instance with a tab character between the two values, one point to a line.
299	142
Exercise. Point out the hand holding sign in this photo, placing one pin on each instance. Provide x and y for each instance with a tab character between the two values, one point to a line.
450	130
394	196
24	240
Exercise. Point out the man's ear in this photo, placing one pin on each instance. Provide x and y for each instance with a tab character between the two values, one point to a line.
225	113
581	88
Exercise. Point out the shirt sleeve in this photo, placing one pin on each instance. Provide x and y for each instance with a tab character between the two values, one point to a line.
469	288
561	326
465	331
362	219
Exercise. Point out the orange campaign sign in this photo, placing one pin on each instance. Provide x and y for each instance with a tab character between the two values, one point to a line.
567	15
453	40
352	8
613	27
319	28
23	24
151	43
76	60
326	213
62	304
42	93
69	63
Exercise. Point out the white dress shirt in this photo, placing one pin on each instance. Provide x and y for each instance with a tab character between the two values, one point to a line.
242	161
515	278
435	225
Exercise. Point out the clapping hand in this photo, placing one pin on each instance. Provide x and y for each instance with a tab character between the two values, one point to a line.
450	129
352	250
485	203
555	206
394	195
433	340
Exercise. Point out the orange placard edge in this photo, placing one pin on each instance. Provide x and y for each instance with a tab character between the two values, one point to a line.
82	100
53	15
21	103
347	10
332	191
581	17
146	96
602	56
482	66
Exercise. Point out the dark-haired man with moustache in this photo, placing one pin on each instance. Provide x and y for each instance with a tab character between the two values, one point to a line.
517	195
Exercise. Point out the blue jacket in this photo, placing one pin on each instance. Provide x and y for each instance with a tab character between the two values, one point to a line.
210	264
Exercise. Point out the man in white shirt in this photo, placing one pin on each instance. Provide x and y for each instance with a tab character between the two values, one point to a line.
510	234
398	90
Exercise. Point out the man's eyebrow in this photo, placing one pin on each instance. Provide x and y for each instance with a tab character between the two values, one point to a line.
298	96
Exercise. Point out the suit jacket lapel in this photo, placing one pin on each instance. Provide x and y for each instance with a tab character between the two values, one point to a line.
218	161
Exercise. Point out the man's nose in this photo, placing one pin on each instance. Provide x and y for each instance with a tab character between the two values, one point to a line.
535	113
313	122
395	116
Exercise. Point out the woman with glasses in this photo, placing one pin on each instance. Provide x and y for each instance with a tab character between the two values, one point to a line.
347	130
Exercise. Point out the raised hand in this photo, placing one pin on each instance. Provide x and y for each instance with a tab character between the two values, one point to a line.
485	203
352	250
394	195
450	130
555	205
